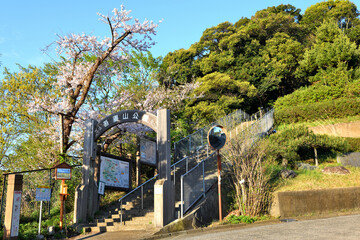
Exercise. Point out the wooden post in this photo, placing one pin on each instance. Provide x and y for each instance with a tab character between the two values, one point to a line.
62	200
13	203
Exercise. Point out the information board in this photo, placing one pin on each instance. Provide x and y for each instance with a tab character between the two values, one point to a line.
63	173
43	194
148	152
114	173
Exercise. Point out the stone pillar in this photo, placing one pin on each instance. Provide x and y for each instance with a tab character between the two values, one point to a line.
13	203
85	192
164	194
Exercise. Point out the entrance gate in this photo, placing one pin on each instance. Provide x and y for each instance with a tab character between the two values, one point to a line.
86	195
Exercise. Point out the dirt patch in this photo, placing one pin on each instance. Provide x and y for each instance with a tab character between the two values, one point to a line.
351	129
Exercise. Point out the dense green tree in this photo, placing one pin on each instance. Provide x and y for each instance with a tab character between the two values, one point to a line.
331	66
332	49
257	50
18	125
178	68
266	23
217	95
344	12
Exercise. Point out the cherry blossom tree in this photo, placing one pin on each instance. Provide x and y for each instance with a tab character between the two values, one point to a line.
87	63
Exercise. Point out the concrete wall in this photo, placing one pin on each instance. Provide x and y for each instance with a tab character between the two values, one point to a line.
351	129
203	214
288	204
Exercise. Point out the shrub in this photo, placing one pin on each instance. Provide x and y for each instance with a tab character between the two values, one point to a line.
354	144
251	174
338	108
293	142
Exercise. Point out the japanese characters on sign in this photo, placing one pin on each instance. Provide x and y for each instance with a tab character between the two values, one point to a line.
101	189
125	116
148	152
16	214
114	173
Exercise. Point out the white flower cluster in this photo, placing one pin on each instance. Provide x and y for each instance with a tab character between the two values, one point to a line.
84	72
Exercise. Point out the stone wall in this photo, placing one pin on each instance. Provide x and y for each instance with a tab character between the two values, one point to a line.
352	159
290	204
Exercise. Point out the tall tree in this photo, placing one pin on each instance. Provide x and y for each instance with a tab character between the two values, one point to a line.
17	91
332	49
217	95
344	12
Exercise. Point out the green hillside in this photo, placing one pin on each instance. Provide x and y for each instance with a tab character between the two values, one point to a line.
305	65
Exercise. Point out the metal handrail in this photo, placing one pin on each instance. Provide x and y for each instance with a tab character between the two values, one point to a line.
238	112
182	185
187	162
183	159
148	181
132	191
257	117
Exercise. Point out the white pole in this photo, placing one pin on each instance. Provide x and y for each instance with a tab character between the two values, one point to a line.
40	218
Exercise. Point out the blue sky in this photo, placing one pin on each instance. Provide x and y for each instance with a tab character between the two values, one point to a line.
26	26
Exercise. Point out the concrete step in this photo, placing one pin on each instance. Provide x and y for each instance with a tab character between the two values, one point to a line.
132	211
125	226
149	227
139	222
126	217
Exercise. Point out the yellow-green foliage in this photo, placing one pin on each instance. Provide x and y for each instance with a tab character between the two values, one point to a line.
315	179
219	94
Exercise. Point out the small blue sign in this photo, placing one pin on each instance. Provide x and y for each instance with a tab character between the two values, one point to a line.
43	194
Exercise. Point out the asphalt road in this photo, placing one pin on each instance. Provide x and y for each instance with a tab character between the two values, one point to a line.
343	227
337	228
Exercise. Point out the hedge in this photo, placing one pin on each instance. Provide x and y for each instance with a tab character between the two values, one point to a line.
338	108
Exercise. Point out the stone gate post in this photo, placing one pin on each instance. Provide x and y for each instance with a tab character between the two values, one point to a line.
164	194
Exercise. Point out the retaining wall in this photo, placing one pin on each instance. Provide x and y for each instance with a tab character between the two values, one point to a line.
288	204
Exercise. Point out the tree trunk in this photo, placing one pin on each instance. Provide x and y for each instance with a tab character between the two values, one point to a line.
284	162
316	157
79	95
68	122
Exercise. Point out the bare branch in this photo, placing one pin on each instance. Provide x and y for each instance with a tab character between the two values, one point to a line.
111	30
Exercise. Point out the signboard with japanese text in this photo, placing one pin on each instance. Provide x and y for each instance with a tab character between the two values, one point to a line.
124	116
148	152
16	214
114	173
101	189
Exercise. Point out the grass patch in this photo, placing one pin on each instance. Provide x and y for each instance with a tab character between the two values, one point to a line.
315	179
233	219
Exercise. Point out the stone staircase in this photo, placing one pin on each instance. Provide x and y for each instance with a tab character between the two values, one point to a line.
133	217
